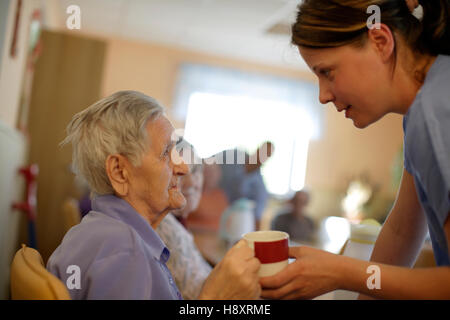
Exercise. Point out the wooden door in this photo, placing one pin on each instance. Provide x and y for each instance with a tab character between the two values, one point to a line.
67	79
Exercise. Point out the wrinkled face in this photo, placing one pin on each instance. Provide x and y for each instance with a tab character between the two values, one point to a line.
354	79
155	183
191	187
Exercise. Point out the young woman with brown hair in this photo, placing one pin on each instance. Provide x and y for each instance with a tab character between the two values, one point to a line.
401	65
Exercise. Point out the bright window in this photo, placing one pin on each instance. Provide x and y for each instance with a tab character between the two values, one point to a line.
222	119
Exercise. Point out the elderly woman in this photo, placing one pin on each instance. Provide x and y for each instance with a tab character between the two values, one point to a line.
186	263
122	147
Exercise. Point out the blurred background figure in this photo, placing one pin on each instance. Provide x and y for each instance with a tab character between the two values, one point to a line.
212	204
244	180
296	221
83	197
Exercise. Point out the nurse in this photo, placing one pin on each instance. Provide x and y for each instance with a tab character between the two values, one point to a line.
402	65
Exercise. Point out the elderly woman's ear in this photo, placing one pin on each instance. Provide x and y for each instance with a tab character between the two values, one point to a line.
118	174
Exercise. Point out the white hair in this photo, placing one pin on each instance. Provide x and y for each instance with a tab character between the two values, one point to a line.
113	125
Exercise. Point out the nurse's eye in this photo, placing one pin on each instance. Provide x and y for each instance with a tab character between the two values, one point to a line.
325	72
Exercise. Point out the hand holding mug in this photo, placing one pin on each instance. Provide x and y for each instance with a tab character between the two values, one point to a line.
235	277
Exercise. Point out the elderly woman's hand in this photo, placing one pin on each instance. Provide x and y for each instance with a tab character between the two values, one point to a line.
235	277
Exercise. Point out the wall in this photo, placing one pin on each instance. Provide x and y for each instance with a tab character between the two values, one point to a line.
13	144
4	11
152	69
12	68
11	186
343	150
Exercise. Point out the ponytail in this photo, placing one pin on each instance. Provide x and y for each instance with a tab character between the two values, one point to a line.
435	36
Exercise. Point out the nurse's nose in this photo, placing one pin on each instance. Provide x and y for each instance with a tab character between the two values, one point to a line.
325	94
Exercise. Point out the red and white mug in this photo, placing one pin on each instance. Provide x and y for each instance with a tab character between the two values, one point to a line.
271	248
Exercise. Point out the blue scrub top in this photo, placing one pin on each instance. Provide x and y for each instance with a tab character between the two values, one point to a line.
427	151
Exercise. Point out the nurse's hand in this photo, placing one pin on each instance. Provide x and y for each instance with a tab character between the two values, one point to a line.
235	277
312	274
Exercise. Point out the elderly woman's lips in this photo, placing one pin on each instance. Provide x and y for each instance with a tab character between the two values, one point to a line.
173	185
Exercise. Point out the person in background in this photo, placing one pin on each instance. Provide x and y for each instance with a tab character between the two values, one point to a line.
122	146
401	65
213	202
83	196
84	203
186	263
296	222
243	179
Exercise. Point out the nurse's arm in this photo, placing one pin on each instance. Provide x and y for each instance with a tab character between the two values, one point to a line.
393	282
316	272
397	233
404	231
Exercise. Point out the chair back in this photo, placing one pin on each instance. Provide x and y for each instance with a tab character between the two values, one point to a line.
31	281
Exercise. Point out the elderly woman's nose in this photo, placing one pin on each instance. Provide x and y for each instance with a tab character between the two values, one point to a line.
180	167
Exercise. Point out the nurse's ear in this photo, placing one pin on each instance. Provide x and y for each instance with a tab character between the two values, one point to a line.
383	41
117	167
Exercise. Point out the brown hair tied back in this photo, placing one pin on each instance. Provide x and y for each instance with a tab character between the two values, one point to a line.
333	23
435	36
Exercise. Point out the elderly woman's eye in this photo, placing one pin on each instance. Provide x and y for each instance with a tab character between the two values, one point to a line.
166	153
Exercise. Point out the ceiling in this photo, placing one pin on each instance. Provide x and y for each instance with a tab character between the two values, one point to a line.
253	30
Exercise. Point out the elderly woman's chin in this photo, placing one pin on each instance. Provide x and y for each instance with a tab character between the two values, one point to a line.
177	200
